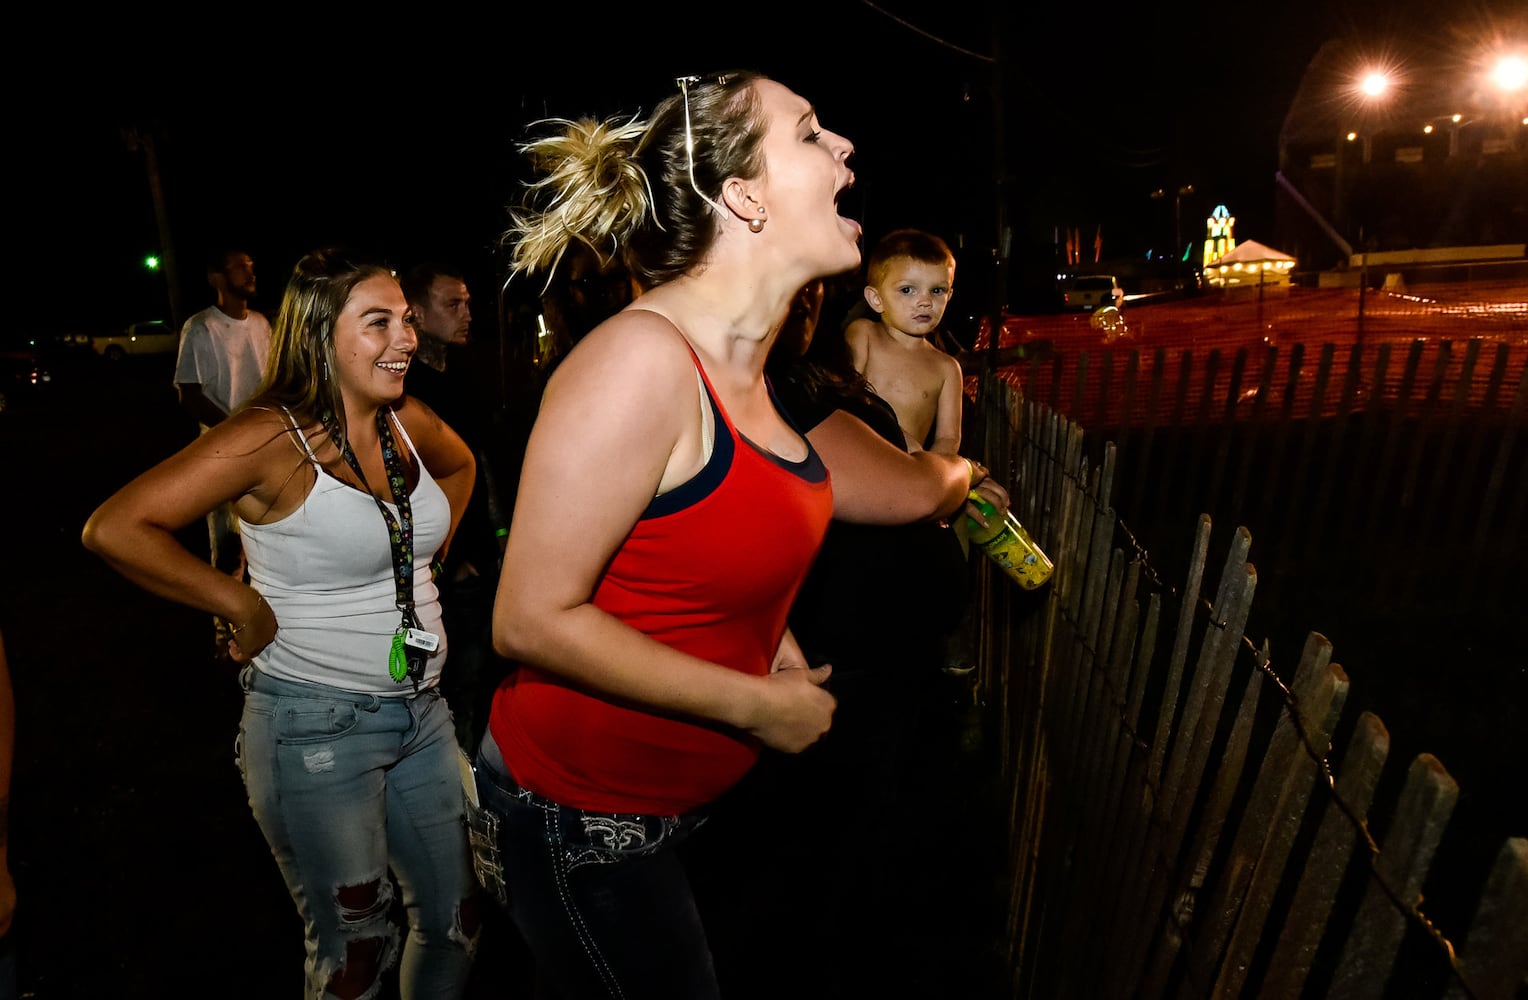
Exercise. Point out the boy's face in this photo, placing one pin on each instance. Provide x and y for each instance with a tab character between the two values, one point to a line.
912	295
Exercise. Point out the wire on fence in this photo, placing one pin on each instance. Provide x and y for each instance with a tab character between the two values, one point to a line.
1290	707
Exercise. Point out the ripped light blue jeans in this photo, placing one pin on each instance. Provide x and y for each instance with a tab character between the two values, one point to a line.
345	786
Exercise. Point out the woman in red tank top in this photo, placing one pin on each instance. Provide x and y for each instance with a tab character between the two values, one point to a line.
666	517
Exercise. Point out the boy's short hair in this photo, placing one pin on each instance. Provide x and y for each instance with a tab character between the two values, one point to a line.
916	244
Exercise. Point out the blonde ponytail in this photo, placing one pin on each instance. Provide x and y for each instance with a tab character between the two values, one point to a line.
591	189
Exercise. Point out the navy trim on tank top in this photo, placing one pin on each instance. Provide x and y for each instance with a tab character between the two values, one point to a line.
705	482
810	469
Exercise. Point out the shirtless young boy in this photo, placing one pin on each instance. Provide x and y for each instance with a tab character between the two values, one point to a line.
909	279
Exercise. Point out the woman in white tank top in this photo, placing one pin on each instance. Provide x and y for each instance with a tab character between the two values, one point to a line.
342	484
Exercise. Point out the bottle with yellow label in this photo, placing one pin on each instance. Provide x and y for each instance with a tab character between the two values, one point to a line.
1007	543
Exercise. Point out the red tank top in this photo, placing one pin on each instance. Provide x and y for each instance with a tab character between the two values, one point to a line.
710	569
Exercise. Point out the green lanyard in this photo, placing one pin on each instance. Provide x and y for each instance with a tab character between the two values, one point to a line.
400	536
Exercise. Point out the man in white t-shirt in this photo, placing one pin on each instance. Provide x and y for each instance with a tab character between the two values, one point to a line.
223	354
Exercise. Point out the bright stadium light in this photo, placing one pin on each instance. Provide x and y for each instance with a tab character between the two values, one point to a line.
1510	74
1374	83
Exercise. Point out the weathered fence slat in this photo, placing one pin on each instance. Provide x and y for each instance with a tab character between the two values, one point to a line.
1324	704
1095	522
1212	673
1255	866
1079	822
1101	795
1114	658
1090	622
1126	927
1270	793
1494	957
1124	808
1178	659
1211	819
1327	860
1426	802
1060	495
1071	589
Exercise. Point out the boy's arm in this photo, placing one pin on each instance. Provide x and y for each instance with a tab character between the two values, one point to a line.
946	433
857	336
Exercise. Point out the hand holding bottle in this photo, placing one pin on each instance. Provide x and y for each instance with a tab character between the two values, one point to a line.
991	492
1006	542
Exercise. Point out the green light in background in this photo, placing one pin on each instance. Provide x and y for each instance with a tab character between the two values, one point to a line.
151	262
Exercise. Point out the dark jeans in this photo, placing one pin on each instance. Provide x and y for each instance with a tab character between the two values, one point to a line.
601	899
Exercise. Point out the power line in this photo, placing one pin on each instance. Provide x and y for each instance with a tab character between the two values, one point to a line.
931	37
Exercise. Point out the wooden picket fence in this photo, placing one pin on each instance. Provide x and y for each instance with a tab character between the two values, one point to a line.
1188	817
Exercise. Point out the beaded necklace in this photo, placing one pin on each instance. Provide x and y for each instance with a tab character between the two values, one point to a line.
402	664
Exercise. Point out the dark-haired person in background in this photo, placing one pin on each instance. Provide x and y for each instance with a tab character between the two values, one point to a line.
221	360
443	376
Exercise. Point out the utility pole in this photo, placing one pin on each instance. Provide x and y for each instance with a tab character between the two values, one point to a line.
143	139
1363	280
1160	194
1004	246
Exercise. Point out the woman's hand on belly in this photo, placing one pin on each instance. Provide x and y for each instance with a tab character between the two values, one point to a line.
794	710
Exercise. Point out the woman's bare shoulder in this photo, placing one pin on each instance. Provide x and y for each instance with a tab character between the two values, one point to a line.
634	325
253	427
635	346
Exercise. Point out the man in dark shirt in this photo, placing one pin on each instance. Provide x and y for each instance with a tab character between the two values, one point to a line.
441	376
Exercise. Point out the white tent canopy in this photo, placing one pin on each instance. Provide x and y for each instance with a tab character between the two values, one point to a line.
1251	264
1253	252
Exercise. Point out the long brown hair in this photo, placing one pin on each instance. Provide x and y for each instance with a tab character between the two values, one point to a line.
299	375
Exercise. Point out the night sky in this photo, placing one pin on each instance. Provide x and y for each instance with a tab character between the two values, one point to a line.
285	130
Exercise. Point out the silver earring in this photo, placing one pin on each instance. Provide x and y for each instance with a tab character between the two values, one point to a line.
755	225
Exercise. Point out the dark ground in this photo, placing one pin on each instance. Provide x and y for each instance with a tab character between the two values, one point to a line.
140	870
